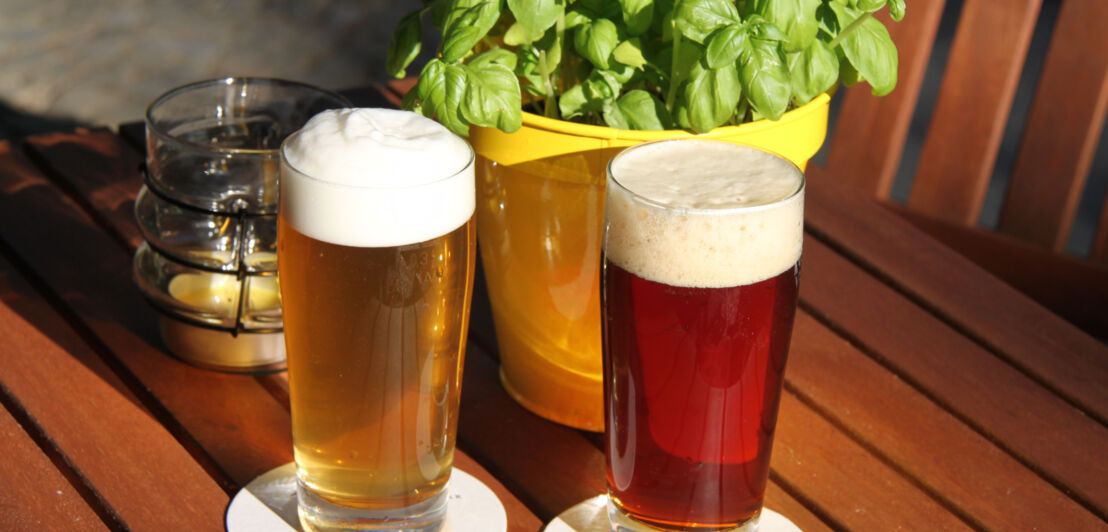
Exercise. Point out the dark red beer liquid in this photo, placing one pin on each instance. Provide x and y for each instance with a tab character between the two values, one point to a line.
692	381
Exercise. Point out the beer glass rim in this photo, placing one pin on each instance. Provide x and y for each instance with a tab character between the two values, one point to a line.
612	178
285	162
156	128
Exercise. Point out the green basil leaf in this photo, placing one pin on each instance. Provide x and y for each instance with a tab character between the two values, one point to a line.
711	95
573	102
629	52
452	114
602	86
812	71
724	45
596	41
637	15
896	10
642	110
411	101
613	116
537	15
492	98
551	47
404	44
467	29
498	56
796	18
765	78
431	87
576	17
517	35
869	6
869	49
601	8
697	19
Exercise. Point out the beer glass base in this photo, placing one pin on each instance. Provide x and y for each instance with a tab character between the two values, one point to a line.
318	514
270	503
593	516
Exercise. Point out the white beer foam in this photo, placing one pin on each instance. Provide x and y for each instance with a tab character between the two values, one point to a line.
733	215
376	178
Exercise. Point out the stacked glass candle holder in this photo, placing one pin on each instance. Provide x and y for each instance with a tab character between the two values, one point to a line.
208	216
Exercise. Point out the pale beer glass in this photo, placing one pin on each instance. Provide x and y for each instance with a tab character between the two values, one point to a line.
701	261
376	259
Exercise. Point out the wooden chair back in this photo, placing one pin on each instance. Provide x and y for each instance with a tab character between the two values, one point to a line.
986	58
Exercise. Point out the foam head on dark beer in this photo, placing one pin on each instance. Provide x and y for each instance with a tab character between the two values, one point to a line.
376	178
703	213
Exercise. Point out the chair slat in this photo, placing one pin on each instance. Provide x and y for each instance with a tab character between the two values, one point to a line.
873	129
1063	129
980	81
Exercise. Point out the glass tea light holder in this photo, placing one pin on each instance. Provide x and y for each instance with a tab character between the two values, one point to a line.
208	216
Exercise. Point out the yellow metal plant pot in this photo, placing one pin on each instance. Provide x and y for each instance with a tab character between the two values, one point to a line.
540	205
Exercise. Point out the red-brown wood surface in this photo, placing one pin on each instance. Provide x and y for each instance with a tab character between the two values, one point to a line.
1063	128
964	403
866	144
109	190
986	58
34	494
1075	289
987	311
139	471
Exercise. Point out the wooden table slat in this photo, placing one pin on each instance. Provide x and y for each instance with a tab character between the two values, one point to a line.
852	487
1045	431
134	465
966	470
34	494
231	417
1071	363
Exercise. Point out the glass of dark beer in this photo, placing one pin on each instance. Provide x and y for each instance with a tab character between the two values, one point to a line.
702	246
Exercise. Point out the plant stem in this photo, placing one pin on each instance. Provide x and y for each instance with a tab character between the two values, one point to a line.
849	29
671	93
548	88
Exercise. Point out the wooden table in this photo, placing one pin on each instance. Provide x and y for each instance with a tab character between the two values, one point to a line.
921	392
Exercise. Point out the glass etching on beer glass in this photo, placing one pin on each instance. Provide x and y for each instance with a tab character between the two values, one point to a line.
376	257
701	255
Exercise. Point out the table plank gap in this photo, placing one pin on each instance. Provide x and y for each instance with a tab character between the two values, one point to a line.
1048	436
224	414
992	314
114	447
131	383
809	503
885	459
59	156
25	471
936	311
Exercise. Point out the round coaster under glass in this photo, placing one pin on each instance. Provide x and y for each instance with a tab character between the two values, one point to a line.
592	516
268	504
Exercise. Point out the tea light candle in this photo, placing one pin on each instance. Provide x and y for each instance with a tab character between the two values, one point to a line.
217	294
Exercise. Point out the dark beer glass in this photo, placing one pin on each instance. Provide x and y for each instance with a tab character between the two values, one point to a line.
701	257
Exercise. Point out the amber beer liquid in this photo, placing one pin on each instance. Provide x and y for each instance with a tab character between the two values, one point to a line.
376	258
701	261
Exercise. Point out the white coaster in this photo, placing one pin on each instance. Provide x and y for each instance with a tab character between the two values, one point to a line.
592	516
268	504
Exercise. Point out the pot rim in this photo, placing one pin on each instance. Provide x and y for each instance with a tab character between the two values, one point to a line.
555	125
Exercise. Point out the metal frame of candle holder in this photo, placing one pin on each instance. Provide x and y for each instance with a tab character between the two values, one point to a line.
240	270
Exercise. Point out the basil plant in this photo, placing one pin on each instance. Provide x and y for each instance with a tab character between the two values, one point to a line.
640	64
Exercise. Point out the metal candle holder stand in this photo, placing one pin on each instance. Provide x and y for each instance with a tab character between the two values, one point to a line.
240	269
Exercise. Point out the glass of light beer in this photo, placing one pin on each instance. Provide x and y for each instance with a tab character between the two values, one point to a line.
701	260
376	261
